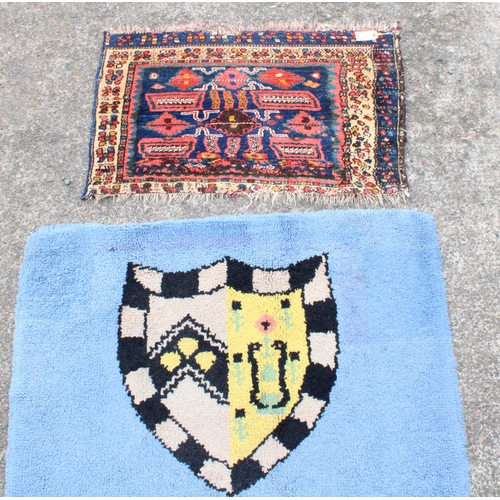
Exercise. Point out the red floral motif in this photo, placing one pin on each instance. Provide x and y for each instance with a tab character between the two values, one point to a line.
232	79
185	79
168	124
280	78
305	124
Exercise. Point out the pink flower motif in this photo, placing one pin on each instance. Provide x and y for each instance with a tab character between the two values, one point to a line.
232	79
281	78
265	324
185	79
303	123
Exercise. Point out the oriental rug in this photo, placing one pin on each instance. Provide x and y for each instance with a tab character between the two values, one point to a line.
253	355
309	113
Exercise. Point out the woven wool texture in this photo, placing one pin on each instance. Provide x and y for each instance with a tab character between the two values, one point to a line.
286	354
304	113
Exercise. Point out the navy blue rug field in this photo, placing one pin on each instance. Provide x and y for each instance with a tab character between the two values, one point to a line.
271	355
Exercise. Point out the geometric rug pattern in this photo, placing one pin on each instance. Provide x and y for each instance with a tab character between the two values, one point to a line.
305	113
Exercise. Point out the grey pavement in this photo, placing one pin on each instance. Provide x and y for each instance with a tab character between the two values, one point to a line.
48	58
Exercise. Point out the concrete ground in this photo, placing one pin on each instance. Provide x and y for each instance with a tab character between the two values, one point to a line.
49	55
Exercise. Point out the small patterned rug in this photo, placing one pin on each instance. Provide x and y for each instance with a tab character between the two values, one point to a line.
308	113
275	355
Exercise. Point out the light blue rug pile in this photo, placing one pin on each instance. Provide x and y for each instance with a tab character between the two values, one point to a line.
260	355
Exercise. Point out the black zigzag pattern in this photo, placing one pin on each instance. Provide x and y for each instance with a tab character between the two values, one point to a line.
216	375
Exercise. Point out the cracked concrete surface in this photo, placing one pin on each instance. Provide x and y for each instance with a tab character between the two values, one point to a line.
49	55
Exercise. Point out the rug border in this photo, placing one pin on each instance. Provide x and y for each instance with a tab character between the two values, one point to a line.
94	121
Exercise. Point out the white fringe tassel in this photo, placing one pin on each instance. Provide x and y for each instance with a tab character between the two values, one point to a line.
229	29
290	199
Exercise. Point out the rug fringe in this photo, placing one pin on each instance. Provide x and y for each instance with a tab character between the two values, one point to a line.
291	199
228	29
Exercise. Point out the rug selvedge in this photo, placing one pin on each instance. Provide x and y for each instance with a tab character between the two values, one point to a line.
229	366
296	112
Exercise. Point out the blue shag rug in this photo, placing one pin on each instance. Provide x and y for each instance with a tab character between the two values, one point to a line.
259	355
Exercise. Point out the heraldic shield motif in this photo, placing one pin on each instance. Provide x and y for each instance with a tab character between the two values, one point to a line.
229	366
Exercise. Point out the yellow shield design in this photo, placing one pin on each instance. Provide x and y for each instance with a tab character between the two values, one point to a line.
268	357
